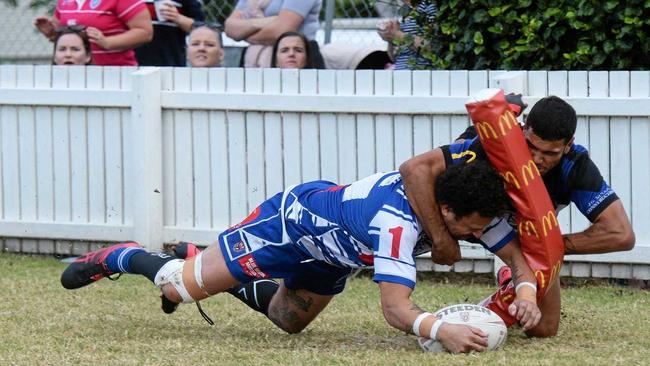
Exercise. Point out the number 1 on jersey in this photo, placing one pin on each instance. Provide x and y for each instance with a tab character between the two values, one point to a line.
397	239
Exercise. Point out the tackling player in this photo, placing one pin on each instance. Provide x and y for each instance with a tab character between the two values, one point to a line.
314	235
569	176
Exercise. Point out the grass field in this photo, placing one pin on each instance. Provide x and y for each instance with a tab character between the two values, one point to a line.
119	323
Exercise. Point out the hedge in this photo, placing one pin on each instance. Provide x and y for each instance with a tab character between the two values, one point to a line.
537	35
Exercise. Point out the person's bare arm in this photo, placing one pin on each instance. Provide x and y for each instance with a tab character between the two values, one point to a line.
400	312
239	28
140	32
286	21
46	25
610	232
419	174
524	308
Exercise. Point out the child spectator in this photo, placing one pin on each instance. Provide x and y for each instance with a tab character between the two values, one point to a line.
407	57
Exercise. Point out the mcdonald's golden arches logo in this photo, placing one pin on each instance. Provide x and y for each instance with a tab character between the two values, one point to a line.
484	130
510	178
548	220
554	273
529	227
507	121
531	169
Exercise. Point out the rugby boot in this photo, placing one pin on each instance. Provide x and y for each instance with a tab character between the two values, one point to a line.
504	274
185	250
91	267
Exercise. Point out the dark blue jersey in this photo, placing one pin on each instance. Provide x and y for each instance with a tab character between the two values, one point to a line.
575	179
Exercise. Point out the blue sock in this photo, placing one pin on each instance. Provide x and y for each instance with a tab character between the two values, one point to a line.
118	260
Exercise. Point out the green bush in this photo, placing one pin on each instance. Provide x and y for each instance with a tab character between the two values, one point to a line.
538	35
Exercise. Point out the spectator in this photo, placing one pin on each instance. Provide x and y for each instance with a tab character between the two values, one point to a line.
204	45
71	47
261	22
291	51
113	27
172	21
407	57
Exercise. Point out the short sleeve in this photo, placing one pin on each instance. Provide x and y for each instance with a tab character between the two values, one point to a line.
127	9
497	234
193	9
300	7
463	152
394	234
589	191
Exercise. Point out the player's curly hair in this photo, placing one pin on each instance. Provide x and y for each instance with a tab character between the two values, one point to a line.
552	119
473	187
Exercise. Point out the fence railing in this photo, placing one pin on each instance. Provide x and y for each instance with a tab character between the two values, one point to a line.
163	155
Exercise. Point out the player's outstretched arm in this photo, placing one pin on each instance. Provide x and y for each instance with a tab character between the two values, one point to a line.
419	175
610	232
401	313
524	308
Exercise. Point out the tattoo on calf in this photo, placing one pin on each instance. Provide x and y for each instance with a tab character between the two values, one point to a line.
303	304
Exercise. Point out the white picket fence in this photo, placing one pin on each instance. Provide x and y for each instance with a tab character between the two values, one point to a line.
92	155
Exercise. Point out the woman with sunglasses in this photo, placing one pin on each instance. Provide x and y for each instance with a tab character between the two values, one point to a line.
114	27
71	47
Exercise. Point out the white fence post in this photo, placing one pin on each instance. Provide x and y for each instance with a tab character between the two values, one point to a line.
146	159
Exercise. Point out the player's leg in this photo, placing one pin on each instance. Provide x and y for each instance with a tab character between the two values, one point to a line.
550	308
196	278
257	294
292	310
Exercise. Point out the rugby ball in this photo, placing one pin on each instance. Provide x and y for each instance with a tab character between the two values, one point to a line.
475	316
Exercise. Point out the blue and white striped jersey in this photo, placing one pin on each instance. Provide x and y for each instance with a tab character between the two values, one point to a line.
366	223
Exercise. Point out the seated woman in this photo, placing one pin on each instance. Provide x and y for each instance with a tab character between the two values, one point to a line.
71	47
261	22
291	51
204	45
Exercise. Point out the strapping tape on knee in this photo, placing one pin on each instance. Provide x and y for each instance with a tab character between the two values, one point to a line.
185	276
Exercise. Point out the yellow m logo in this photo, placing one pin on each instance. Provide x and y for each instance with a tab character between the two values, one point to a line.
531	169
550	220
506	121
511	179
529	227
484	130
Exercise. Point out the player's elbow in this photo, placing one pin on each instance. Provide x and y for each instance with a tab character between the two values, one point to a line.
626	240
408	167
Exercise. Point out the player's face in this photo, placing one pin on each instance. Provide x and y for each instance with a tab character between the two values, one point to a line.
470	226
203	48
70	50
546	154
291	53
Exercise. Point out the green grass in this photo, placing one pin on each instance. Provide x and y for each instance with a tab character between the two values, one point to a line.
119	323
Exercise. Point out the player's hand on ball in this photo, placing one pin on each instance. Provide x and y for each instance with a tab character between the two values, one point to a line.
526	312
458	338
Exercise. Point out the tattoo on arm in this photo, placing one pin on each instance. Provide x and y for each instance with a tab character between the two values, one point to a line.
517	273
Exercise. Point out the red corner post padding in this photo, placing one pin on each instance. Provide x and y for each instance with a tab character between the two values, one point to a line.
539	234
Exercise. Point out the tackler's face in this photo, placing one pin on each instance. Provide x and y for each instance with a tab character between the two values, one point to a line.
465	227
546	154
